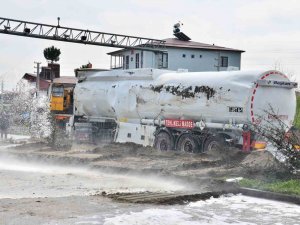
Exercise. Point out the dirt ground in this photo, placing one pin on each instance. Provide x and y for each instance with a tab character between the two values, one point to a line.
206	169
115	183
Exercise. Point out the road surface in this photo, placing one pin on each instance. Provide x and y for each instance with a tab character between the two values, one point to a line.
39	193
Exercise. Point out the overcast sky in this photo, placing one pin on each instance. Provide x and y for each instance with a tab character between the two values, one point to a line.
268	30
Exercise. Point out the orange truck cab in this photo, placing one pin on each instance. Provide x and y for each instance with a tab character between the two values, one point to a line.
61	103
61	100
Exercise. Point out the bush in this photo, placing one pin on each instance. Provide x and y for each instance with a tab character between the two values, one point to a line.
297	117
285	140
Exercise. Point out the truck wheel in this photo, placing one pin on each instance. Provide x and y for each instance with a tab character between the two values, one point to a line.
188	143
164	142
214	143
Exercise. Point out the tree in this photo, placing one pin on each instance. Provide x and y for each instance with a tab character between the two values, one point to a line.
286	141
280	67
52	54
30	114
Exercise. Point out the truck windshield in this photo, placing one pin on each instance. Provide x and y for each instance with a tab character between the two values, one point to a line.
58	91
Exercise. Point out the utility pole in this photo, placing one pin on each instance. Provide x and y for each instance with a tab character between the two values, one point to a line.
2	94
37	77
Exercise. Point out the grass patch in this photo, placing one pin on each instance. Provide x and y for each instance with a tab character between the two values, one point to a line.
297	116
291	187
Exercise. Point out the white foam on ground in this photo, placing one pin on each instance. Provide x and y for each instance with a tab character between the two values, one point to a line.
18	137
152	217
220	211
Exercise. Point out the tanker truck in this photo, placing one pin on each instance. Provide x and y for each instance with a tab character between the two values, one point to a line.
179	110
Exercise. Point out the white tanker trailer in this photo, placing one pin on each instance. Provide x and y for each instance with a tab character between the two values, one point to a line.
190	111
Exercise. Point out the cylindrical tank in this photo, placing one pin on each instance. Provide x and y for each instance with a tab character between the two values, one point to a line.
218	97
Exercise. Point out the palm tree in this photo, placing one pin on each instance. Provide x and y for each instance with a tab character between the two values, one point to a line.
52	54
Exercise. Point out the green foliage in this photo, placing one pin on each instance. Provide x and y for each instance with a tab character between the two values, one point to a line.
291	186
52	54
297	117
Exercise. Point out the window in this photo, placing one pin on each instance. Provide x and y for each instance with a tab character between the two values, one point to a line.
127	62
162	60
58	91
192	56
137	60
200	56
142	59
183	55
224	61
165	60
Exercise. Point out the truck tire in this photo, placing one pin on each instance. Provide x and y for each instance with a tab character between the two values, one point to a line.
164	141
188	143
214	143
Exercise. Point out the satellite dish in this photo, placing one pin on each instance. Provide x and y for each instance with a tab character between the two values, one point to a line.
176	27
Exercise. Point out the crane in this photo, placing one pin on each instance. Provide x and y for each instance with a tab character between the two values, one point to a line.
75	35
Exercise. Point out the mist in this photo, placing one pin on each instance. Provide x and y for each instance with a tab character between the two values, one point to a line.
40	179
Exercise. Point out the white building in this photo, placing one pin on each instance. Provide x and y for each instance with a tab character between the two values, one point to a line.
179	54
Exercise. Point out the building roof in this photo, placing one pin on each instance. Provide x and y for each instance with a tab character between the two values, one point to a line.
65	80
176	43
68	81
30	77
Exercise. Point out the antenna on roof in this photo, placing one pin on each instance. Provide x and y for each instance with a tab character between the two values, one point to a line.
177	33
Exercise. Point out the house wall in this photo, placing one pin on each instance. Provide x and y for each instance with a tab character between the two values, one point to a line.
150	60
132	58
204	60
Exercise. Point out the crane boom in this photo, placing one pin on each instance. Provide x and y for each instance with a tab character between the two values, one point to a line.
74	35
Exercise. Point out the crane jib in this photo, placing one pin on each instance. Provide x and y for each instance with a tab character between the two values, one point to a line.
75	35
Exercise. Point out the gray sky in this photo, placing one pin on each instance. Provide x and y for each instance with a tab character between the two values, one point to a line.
268	30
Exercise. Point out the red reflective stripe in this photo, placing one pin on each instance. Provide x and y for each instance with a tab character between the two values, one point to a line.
254	92
189	124
246	141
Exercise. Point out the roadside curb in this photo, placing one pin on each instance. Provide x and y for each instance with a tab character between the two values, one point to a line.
268	195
